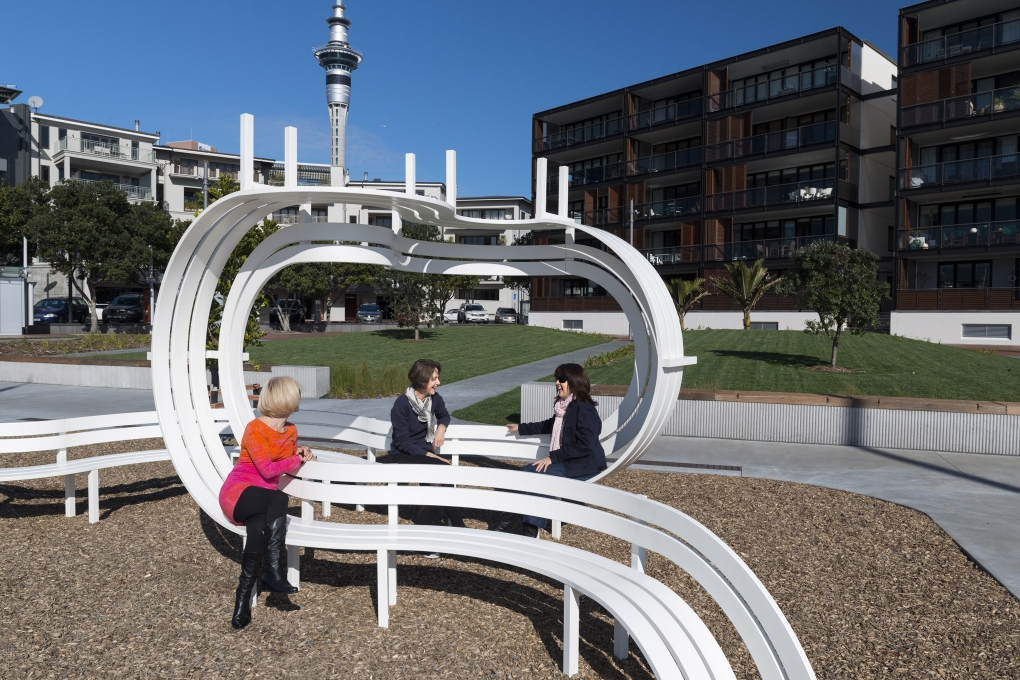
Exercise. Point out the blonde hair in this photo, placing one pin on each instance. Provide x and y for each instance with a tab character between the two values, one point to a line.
279	397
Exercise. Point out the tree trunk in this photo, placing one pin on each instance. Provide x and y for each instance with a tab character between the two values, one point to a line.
416	334
747	319
90	299
682	322
283	318
835	348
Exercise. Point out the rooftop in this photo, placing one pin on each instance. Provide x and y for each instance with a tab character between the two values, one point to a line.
47	116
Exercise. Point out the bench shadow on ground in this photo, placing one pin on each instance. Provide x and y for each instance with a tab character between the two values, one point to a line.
774	358
18	499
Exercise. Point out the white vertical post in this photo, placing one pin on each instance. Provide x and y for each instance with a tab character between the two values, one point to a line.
392	515
382	587
564	190
571	626
327	508
69	500
290	157
370	456
93	496
557	529
247	151
451	178
307	511
409	167
638	562
391	575
632	222
621	641
294	565
541	188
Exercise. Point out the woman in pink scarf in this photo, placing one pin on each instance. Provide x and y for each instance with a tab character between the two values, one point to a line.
574	449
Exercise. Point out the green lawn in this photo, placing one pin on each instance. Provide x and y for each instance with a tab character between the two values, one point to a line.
778	361
463	352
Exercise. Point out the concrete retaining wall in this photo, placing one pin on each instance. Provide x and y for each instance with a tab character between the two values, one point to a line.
833	425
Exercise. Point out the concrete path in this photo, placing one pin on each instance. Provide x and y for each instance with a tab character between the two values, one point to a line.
974	498
34	400
464	392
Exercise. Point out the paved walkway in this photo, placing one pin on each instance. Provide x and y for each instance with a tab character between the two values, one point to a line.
975	498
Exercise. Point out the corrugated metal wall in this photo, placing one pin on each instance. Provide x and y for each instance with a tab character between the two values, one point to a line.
835	425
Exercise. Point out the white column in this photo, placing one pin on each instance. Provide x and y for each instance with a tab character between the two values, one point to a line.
541	191
382	587
67	167
93	496
571	626
638	562
153	181
409	167
294	565
451	178
247	151
564	189
290	157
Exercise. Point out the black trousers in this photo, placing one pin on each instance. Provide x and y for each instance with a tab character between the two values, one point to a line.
428	514
256	508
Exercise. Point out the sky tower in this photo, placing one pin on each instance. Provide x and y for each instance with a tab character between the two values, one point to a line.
339	60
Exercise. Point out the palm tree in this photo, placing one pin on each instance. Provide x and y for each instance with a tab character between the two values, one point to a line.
746	286
686	293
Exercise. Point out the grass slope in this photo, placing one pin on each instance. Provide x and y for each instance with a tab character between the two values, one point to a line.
464	352
778	361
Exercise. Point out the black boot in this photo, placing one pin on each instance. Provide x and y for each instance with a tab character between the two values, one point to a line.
250	563
272	576
529	530
503	522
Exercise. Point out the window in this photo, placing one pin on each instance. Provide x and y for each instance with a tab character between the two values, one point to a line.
965	274
582	288
573	325
764	325
44	172
478	294
478	240
988	330
381	221
354	219
44	136
823	225
99	177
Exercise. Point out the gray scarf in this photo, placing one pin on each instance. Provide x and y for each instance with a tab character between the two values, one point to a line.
423	409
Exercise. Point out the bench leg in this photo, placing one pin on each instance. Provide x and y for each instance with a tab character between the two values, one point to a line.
571	625
391	575
621	641
294	565
327	508
557	529
93	496
382	588
69	498
371	459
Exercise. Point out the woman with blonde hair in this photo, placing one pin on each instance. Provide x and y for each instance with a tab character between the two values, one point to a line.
249	495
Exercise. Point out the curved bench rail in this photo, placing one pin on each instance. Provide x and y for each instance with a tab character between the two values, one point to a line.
681	539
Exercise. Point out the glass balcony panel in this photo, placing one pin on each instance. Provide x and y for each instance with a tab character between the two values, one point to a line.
1003	233
760	197
965	42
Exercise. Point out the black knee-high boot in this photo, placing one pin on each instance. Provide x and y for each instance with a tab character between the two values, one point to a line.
250	563
503	522
272	574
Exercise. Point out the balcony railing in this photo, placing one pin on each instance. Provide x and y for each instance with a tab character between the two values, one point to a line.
769	249
958	298
137	193
670	113
197	171
960	108
673	255
654	210
780	87
982	234
971	170
596	131
104	149
780	194
667	162
964	42
580	178
808	135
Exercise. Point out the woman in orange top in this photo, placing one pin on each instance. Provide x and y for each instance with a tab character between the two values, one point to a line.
249	495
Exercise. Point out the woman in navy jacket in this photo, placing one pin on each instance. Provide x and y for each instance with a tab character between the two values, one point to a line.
574	450
420	419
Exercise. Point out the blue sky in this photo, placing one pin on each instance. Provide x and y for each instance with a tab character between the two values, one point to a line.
461	74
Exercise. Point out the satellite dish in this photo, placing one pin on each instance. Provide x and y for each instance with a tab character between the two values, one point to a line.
35	102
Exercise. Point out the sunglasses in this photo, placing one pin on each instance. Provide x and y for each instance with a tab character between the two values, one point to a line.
561	380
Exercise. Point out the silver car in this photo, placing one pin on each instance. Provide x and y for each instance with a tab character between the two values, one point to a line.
368	313
506	315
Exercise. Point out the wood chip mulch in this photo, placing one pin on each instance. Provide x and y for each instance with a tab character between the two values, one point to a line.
872	589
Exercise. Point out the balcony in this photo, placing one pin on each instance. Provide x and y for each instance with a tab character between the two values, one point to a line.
590	133
198	172
105	150
785	140
809	192
978	235
655	210
958	172
663	115
667	162
773	89
977	105
958	299
768	249
588	176
133	192
675	255
959	44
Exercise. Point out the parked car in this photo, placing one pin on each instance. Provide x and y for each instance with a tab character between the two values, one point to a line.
473	313
368	313
452	316
125	309
294	310
54	310
506	315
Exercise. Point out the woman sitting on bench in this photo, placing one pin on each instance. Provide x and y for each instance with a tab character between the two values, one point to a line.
574	450
249	495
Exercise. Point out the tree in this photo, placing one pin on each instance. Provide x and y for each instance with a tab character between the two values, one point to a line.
841	284
85	232
252	331
686	293
225	184
18	205
522	284
319	281
746	285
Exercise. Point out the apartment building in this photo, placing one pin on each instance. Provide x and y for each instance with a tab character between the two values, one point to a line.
957	242
745	158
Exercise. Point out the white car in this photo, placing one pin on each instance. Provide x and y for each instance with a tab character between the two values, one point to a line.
475	314
452	316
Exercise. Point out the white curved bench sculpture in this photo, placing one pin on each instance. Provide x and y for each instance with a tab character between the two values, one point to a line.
673	639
